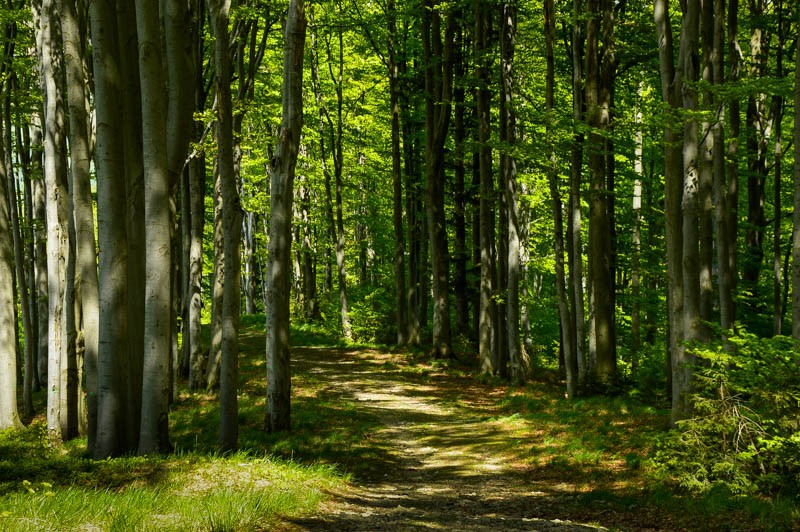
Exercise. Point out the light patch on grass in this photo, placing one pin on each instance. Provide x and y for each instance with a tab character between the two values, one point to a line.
239	492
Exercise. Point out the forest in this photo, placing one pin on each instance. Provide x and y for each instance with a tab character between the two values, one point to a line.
228	227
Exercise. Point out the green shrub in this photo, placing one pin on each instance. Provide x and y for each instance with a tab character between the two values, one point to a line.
745	434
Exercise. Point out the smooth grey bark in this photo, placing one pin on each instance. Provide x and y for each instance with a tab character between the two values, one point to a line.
40	253
57	210
232	215
598	106
193	294
636	241
692	327
721	207
735	61
671	85
574	234
153	435
112	237
437	57
562	295
397	177
337	152
83	212
460	251
9	416
284	161
705	166
796	203
486	325
217	287
776	111
7	174
130	106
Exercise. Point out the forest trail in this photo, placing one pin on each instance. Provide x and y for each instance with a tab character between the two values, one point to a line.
444	463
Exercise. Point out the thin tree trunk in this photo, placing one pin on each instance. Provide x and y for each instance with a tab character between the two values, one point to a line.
725	275
57	211
86	258
397	179
278	417
232	227
671	85
438	82
796	204
9	416
735	58
486	325
19	262
567	338
575	252
777	114
682	373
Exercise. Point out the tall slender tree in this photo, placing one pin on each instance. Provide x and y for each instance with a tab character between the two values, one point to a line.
232	228
158	258
278	417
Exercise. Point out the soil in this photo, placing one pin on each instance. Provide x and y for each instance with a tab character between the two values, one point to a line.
446	464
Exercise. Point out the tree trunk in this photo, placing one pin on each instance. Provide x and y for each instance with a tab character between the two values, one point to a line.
397	179
706	168
570	361
86	259
796	204
682	373
283	165
57	210
133	169
735	58
232	229
9	417
600	226
153	434
112	238
575	251
722	208
777	114
671	86
486	324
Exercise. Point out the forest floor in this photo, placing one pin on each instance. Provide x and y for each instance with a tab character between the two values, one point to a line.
436	449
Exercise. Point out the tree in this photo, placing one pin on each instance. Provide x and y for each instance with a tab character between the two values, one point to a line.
283	165
517	359
438	84
158	258
232	228
58	248
599	65
570	360
486	322
796	215
83	212
113	354
9	417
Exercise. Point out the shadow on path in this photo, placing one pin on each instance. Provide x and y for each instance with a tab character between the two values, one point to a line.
444	466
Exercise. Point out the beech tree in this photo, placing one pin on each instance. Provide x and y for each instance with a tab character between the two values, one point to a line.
283	165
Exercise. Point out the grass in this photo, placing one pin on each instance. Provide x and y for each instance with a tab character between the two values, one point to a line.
44	488
591	453
67	491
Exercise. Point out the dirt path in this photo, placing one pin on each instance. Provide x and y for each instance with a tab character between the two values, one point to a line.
443	468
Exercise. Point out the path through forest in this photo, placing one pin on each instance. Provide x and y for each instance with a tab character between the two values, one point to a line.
445	465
